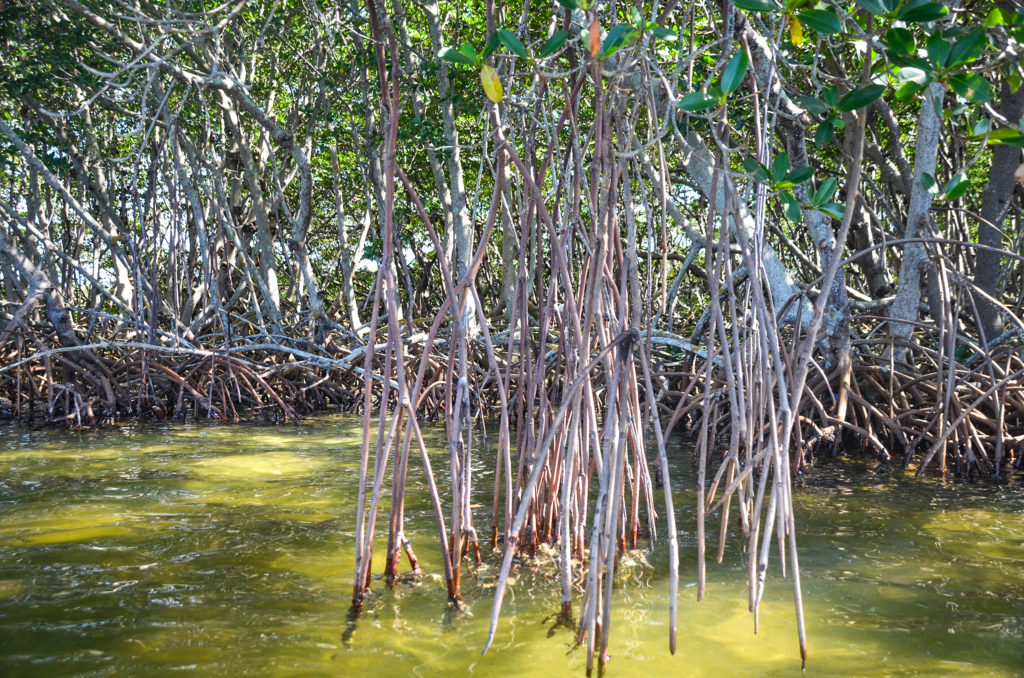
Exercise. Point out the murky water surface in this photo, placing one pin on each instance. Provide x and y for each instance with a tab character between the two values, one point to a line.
227	551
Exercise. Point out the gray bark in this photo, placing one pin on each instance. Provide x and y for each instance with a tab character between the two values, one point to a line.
995	203
872	264
904	308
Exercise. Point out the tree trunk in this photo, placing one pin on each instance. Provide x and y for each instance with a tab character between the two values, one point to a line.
994	208
904	309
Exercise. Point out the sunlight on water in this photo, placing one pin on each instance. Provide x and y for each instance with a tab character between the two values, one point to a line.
258	467
10	588
227	550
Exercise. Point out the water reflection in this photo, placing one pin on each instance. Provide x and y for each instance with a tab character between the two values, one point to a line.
217	550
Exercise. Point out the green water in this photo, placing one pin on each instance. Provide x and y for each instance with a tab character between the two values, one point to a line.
227	551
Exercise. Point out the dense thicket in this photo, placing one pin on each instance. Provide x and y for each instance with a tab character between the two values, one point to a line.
783	229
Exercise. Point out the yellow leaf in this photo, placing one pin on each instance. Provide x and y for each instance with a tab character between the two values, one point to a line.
796	31
492	85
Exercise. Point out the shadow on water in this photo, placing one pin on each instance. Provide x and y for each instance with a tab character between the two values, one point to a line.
228	550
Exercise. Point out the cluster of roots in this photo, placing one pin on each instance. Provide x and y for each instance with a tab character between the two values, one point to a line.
97	385
960	413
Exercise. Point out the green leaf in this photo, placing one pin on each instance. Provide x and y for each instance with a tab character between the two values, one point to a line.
570	4
1002	133
780	166
899	41
908	62
957	110
512	43
928	181
634	15
911	74
734	72
968	48
791	207
1007	136
825	192
878	6
493	43
938	50
553	44
981	128
1014	81
469	52
972	87
820	20
825	132
831	96
908	90
956	187
454	57
922	11
755	169
800	175
811	105
757	5
663	33
618	37
995	18
860	97
697	101
833	209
